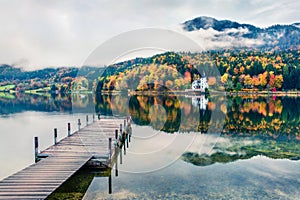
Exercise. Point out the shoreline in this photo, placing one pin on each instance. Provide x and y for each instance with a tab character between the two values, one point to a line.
211	92
178	92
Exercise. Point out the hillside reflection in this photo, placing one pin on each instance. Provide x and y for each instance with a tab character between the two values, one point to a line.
246	126
231	115
17	103
249	126
240	114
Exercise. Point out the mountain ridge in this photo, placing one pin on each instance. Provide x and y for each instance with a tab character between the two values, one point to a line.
233	34
206	22
209	21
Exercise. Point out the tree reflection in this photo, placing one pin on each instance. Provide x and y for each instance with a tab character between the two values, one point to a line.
243	114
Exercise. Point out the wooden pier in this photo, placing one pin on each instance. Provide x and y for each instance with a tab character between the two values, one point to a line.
59	162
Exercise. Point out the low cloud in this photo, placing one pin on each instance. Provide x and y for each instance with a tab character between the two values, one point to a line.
212	39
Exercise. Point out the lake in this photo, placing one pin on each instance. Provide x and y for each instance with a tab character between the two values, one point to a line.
183	147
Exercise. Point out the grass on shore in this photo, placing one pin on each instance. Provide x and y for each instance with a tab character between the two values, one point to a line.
7	87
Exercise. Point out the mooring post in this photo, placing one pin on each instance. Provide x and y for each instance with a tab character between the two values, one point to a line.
124	146
129	133
121	161
99	115
127	140
36	148
109	184
116	137
109	148
116	134
120	128
117	171
87	120
79	123
93	117
69	129
124	123
55	135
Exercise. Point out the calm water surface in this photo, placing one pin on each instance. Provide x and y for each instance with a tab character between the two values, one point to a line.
182	147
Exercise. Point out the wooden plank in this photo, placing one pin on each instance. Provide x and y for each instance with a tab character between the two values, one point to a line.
24	193
23	197
27	184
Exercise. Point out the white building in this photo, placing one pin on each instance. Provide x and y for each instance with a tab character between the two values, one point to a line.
200	84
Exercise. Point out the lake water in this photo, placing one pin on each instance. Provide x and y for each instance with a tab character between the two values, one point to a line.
182	147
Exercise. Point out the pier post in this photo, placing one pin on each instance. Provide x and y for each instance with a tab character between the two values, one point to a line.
55	136
129	137
93	117
116	134
69	129
127	140
87	120
124	146
109	184
109	148
120	128
79	123
36	148
124	123
130	132
117	171
121	160
116	137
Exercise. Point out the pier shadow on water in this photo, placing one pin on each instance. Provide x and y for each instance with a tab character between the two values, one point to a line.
76	186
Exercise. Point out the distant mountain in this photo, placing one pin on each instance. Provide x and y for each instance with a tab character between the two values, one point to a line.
11	73
209	22
214	34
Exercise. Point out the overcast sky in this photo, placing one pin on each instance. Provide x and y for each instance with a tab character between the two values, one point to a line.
38	33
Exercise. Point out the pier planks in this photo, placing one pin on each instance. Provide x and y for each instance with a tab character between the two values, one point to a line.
65	158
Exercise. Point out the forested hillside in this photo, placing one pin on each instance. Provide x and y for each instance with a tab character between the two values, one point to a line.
63	79
237	70
226	69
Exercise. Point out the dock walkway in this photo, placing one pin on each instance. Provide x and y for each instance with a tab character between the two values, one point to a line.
67	156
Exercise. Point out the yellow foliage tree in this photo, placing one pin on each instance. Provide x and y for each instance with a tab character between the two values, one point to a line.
224	78
278	81
255	81
247	80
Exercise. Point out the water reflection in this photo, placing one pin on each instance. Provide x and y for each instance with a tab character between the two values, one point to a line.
245	148
18	103
258	140
252	125
249	125
42	103
268	116
244	115
258	178
168	113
